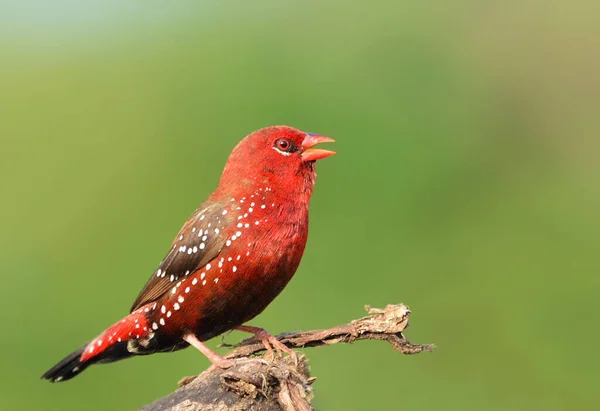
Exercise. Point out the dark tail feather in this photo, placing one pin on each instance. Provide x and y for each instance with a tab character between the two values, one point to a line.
67	368
71	366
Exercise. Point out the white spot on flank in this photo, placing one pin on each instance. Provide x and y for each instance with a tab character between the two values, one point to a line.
240	225
180	237
228	243
208	266
204	282
193	229
202	217
233	238
229	259
239	233
92	348
154	326
187	272
187	290
204	238
234	268
194	281
202	245
190	251
137	326
246	225
257	222
224	212
240	217
263	206
216	280
195	249
176	306
217	230
162	321
251	204
174	290
99	343
172	278
168	314
163	309
238	257
159	272
202	276
245	215
119	339
181	299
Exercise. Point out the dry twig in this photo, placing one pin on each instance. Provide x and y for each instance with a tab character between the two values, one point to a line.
282	384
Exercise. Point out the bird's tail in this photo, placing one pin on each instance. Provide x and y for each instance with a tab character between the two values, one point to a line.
68	367
111	345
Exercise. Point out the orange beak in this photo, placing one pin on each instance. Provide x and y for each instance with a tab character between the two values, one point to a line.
314	154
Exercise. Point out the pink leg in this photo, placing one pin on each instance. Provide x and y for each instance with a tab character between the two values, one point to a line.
216	359
268	340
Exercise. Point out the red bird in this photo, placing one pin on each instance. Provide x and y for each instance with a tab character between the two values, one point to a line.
230	259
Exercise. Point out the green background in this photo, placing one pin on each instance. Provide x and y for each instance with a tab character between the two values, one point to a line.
466	185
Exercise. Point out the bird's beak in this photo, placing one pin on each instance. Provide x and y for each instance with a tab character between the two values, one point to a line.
313	154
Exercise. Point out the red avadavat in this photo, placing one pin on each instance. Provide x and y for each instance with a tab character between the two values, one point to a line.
230	259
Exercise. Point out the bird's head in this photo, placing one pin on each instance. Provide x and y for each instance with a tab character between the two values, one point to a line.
278	156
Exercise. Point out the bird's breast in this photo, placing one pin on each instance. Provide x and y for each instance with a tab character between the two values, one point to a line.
261	252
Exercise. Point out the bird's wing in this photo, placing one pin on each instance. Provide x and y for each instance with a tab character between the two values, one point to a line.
199	241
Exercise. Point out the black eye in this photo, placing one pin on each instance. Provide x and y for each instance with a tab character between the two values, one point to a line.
284	144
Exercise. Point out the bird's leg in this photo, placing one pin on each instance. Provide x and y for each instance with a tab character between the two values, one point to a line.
216	359
269	341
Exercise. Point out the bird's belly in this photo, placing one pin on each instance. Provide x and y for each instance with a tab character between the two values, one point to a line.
235	287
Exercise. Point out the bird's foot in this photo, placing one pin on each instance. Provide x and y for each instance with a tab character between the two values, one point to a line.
271	343
216	359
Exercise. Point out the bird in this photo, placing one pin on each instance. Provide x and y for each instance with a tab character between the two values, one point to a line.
228	262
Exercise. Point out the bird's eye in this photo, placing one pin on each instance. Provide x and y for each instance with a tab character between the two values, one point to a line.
285	145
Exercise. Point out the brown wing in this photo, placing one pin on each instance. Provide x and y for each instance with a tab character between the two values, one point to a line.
199	241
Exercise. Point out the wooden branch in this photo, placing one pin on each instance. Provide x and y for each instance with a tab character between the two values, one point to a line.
282	384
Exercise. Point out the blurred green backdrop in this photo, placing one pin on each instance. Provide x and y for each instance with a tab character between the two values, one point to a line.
466	185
